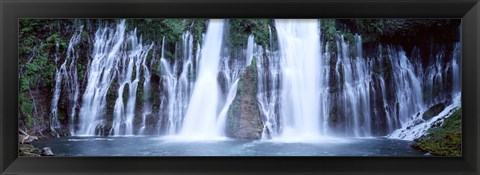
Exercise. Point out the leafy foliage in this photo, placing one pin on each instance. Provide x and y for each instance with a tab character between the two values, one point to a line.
39	39
328	27
240	29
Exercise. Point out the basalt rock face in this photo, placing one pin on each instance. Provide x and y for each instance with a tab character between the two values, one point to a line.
243	120
433	111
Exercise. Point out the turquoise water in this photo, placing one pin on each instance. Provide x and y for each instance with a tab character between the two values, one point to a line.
161	146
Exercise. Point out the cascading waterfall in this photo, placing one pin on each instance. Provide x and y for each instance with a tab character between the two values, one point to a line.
177	85
456	77
251	48
123	117
268	70
407	84
201	120
351	98
230	70
355	94
100	75
208	121
299	42
54	123
434	93
147	106
114	55
307	88
70	78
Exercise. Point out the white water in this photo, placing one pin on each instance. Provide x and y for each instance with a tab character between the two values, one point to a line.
100	76
130	59
147	106
456	68
177	85
300	56
407	84
415	126
114	56
413	130
295	96
70	78
268	70
54	122
201	120
251	47
356	74
353	97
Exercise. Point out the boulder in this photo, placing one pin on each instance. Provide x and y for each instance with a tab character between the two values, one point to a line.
46	152
433	111
244	120
25	138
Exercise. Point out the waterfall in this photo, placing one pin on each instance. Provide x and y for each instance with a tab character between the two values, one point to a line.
70	78
436	77
201	120
130	59
54	122
267	93
354	75
147	108
308	87
407	85
114	55
299	43
345	107
177	83
456	68
250	49
101	73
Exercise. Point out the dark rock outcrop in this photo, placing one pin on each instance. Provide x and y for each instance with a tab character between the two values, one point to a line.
433	111
243	120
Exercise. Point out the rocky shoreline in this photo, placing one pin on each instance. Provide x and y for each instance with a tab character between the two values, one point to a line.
26	147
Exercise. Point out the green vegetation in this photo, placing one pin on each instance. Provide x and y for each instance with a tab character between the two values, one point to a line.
156	29
38	42
328	27
445	140
240	29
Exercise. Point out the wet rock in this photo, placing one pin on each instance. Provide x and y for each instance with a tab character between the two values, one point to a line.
417	122
433	111
46	152
244	120
25	138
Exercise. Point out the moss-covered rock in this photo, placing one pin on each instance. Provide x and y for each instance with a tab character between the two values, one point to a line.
445	140
27	150
243	120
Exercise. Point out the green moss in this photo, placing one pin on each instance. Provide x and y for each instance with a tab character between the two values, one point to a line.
29	122
445	140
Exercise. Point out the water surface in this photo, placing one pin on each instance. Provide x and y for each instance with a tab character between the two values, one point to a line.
161	146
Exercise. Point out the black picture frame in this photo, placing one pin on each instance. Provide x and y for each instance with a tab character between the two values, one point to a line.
12	10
